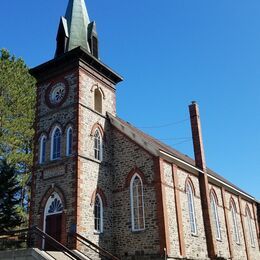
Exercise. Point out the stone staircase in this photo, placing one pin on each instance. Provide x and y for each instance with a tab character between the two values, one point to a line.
37	254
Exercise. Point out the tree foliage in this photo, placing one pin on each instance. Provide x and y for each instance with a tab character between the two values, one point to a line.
9	198
17	111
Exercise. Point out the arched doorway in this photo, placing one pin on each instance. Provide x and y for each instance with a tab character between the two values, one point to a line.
52	224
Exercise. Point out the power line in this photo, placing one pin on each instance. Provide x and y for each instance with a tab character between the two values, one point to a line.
166	125
177	138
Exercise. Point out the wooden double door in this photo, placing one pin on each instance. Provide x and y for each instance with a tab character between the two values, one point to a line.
53	229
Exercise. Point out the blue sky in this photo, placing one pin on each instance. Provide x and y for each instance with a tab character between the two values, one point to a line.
169	52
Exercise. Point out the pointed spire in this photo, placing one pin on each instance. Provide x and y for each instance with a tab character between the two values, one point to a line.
78	21
76	30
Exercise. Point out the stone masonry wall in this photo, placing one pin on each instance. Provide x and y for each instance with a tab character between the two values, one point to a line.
222	248
59	174
171	211
126	157
196	247
253	248
238	248
94	174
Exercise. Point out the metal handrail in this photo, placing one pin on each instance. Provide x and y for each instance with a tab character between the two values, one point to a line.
94	247
40	234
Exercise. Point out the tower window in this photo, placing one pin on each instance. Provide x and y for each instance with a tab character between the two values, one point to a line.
98	100
190	198
98	149
98	214
69	142
56	144
234	220
137	203
42	149
214	211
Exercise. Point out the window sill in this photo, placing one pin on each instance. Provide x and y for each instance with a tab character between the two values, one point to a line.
98	232
138	230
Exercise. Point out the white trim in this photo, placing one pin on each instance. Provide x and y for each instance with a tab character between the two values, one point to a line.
68	141
192	212
41	149
214	209
100	150
211	176
101	215
52	136
47	205
132	203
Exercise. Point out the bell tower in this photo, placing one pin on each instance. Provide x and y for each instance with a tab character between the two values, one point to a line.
72	160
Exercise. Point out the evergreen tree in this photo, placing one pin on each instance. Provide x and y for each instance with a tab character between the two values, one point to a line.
17	111
9	198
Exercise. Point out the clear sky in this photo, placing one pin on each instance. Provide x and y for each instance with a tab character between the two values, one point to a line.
169	52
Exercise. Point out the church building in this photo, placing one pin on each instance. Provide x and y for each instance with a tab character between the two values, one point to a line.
99	176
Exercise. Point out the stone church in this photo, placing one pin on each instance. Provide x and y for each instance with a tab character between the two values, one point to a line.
101	177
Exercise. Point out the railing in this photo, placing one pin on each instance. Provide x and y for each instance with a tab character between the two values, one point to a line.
33	237
103	254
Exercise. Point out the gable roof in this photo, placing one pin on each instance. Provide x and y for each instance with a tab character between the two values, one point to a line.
154	146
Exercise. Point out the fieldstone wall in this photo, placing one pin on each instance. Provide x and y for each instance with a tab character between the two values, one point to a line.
57	175
196	247
94	175
126	157
253	246
222	248
238	248
171	211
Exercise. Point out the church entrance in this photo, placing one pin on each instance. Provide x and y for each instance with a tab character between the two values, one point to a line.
52	221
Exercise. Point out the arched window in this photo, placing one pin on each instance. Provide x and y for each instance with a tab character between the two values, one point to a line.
98	214
250	227
234	220
137	203
98	146
42	157
69	141
214	210
98	100
190	198
56	144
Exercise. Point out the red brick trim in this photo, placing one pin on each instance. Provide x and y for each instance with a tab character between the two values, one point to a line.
213	193
178	211
229	236
243	227
78	166
48	90
96	86
99	127
132	173
53	125
47	195
256	224
101	194
233	202
161	208
189	181
69	124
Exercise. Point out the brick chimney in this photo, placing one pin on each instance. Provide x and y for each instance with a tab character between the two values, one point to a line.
203	178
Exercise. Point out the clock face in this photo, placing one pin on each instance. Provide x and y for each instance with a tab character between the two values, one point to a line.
57	93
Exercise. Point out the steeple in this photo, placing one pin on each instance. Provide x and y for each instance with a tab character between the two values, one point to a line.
76	30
